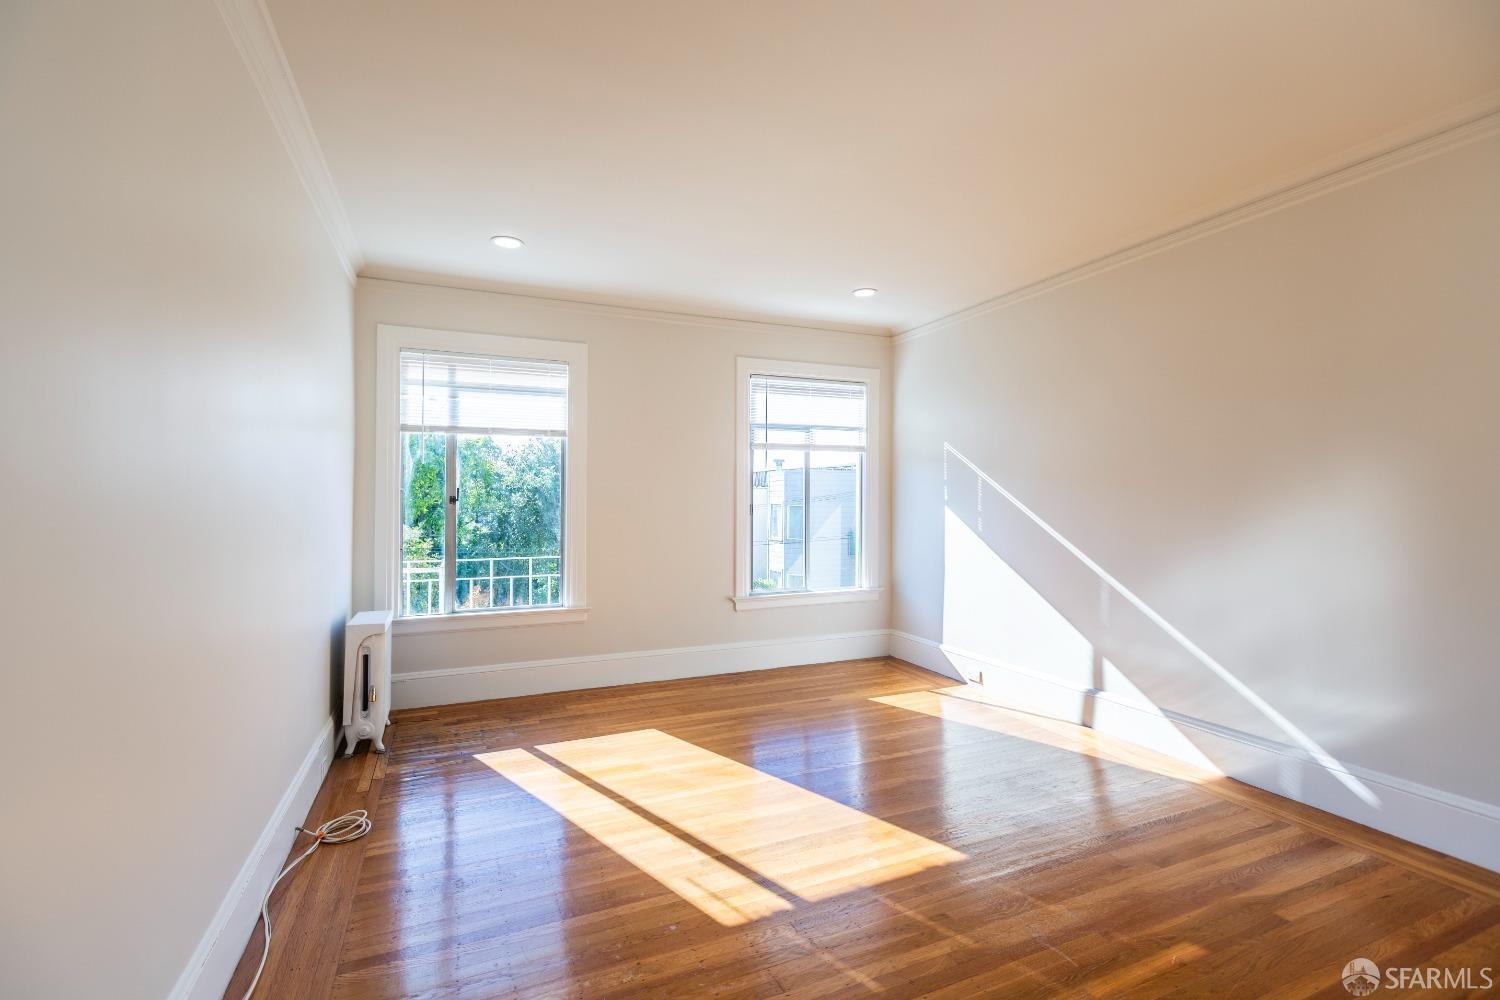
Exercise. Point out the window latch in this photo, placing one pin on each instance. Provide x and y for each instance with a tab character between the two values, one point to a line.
454	498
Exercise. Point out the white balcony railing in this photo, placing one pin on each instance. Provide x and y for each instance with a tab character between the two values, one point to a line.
482	584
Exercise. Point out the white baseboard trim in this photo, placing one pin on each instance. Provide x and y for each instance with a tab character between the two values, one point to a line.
420	689
924	653
218	952
1454	824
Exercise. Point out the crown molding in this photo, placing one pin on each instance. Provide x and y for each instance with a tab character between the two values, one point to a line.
1355	165
254	35
616	310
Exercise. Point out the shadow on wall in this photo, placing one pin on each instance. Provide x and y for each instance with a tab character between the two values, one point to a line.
1050	631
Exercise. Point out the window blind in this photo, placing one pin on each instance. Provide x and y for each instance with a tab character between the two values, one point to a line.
444	393
806	413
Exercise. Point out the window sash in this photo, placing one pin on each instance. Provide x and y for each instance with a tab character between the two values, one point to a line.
449	579
450	521
807	538
841	409
795	428
385	540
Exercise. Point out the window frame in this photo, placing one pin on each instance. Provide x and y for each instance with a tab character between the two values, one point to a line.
867	587
390	341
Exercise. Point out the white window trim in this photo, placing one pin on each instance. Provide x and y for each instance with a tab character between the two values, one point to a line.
385	562
869	584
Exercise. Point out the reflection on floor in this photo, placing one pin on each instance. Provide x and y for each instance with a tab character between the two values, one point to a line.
839	830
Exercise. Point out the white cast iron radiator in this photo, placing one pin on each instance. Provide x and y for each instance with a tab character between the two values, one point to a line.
367	679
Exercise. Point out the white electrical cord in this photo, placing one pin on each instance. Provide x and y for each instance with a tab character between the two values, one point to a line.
350	826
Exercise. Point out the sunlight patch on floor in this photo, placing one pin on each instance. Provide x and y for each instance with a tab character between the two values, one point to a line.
965	704
718	890
810	846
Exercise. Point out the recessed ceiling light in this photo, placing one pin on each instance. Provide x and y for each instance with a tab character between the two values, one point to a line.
507	242
863	293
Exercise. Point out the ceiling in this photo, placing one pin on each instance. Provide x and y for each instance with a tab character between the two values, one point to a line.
764	159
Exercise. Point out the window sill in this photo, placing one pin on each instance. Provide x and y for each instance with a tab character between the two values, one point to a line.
762	602
471	621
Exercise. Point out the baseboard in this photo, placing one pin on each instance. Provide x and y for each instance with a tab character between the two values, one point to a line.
214	960
924	653
420	689
1453	824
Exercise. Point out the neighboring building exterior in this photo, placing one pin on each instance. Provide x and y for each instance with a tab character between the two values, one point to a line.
780	557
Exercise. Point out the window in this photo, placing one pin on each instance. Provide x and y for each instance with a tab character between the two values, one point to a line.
806	483
482	442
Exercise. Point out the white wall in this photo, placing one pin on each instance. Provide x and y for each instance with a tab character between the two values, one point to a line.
176	504
1282	439
661	463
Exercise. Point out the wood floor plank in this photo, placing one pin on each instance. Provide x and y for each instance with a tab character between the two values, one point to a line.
895	843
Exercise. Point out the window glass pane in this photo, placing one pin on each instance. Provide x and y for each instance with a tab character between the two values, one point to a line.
509	529
423	468
777	483
836	481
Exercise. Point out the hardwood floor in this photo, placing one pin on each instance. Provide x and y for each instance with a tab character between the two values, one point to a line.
836	830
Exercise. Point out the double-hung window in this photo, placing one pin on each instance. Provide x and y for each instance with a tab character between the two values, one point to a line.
807	488
482	445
